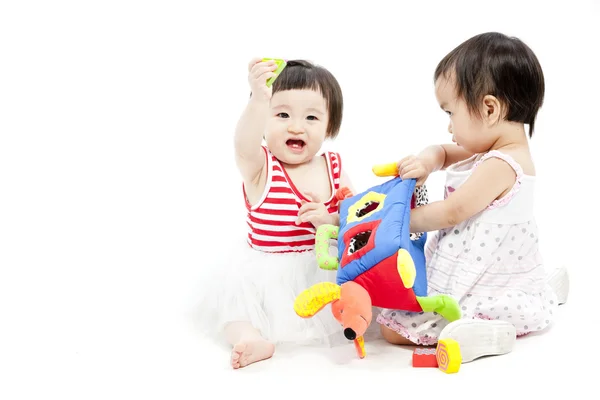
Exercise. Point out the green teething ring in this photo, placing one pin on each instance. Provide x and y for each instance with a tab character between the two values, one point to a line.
324	234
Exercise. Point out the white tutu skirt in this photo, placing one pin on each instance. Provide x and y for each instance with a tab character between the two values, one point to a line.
260	288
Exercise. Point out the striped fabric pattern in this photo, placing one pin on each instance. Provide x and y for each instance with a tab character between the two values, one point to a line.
272	221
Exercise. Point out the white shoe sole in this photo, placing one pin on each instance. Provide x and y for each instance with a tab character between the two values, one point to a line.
480	338
559	282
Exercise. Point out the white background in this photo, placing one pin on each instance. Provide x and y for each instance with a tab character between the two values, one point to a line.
118	186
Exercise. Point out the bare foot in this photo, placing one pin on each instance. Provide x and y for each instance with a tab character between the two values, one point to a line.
246	353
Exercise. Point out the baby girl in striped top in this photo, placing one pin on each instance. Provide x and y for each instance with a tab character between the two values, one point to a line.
289	190
485	251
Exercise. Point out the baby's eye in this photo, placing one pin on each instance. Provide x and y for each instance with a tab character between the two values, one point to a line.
283	115
312	118
449	113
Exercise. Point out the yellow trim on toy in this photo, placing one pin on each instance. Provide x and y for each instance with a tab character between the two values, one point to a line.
313	299
448	356
389	169
406	268
368	197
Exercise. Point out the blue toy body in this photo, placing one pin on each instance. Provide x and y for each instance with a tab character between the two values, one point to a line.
374	226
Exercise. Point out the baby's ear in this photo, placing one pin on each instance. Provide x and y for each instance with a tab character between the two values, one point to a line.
492	109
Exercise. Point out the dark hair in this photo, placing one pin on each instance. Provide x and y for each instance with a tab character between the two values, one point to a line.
495	64
301	74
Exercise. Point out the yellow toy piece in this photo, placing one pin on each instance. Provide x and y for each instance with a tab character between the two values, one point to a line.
390	169
313	299
280	66
406	268
448	356
359	344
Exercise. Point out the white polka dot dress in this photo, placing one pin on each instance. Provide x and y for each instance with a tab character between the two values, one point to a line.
490	263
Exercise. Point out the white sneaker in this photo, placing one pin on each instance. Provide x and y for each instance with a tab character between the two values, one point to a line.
479	338
559	282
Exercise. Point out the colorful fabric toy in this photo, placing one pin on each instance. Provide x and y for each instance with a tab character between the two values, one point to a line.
379	264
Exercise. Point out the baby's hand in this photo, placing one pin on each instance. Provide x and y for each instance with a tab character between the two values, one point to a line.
314	212
259	72
412	167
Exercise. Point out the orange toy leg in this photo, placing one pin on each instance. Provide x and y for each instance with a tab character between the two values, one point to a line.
359	344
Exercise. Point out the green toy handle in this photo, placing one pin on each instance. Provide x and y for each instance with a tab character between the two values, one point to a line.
324	234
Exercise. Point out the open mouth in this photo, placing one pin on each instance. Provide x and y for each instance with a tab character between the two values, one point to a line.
367	208
359	241
295	144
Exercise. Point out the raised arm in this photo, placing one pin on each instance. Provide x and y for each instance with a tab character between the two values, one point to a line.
250	128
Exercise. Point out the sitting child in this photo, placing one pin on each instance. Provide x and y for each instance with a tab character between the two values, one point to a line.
485	253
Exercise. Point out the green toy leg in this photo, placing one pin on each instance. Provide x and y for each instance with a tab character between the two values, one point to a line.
324	234
442	304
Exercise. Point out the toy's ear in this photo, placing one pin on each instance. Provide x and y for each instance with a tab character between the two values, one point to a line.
313	299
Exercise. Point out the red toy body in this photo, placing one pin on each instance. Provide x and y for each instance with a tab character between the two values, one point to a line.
386	288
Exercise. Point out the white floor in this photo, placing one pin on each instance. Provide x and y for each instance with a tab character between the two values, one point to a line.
115	340
111	200
539	365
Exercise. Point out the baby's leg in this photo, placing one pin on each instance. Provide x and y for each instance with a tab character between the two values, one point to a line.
394	337
410	328
248	344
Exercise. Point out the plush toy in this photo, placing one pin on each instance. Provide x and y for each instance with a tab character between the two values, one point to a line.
379	264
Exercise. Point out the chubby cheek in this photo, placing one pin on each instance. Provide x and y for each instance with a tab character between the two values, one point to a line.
276	127
320	136
270	129
268	139
273	139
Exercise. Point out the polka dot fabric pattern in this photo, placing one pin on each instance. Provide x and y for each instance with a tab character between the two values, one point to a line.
490	264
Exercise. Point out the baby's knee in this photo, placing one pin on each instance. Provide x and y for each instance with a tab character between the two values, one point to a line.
393	337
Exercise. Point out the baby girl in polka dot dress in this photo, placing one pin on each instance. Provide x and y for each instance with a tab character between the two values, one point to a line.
485	251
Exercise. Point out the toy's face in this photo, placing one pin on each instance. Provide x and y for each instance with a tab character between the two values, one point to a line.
353	310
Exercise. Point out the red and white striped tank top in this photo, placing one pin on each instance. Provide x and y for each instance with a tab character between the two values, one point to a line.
272	221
